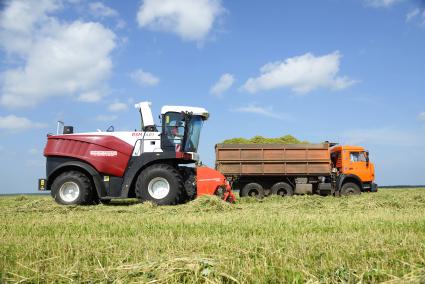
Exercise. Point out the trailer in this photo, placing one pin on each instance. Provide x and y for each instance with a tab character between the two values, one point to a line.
288	169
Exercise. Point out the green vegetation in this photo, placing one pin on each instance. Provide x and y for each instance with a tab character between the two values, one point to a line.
287	139
374	237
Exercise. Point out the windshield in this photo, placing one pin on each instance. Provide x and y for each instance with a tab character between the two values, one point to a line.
193	134
175	126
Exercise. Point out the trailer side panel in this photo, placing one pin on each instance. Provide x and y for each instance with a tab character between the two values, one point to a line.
273	159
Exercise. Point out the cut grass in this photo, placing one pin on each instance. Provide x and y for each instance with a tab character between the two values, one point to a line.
368	238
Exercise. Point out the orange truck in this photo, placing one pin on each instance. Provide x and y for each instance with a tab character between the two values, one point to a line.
288	169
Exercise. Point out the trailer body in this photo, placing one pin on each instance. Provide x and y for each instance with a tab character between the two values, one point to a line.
286	169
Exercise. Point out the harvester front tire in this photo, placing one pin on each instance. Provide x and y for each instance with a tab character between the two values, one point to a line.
350	189
252	189
72	188
161	184
282	189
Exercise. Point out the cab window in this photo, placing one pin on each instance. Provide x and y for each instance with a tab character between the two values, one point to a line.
357	157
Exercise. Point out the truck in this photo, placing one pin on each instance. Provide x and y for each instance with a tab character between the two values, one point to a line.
287	169
155	163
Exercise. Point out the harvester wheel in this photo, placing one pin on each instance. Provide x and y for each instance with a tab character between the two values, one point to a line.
252	189
161	184
72	188
282	189
350	189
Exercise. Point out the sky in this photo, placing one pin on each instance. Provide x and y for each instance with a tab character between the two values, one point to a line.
350	71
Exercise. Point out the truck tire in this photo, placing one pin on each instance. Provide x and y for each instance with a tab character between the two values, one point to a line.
282	189
252	190
71	188
350	188
161	184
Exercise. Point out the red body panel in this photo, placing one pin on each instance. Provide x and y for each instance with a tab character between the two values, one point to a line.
209	180
107	154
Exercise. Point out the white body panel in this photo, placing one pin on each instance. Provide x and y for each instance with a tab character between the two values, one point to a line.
195	110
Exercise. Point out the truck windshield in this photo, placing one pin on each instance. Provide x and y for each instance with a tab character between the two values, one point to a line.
175	126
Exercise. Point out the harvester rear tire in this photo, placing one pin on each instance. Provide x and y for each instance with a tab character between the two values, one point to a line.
350	189
282	189
252	189
165	176
72	188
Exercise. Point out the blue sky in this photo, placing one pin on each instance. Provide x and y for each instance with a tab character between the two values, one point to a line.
347	71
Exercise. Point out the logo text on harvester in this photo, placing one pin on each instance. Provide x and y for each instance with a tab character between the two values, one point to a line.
103	153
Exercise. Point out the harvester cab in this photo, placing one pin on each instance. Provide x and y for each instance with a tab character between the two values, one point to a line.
152	165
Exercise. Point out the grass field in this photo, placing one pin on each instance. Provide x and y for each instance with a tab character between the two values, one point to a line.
368	238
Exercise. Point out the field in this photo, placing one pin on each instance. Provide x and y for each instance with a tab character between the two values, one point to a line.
369	238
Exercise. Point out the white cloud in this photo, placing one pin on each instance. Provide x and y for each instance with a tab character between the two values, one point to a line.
421	116
223	84
106	118
144	78
264	111
117	106
15	123
412	14
189	19
382	3
19	20
59	59
100	10
302	74
90	97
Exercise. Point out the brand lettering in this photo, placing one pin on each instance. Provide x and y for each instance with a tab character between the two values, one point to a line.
103	153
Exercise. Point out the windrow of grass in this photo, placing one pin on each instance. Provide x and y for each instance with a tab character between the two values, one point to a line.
374	237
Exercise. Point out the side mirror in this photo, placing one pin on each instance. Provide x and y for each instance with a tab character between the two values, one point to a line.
367	158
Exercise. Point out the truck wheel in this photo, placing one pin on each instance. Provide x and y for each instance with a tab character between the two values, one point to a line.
71	188
161	184
282	189
252	190
350	189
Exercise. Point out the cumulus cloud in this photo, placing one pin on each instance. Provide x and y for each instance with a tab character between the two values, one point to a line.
19	20
15	123
223	84
117	106
144	78
302	74
99	9
59	59
382	3
263	111
189	19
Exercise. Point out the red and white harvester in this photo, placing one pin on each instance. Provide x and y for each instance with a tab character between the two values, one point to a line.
152	165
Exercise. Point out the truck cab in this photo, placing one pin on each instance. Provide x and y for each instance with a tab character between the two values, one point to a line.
353	166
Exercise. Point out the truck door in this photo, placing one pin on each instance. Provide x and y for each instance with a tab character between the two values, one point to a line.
358	166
